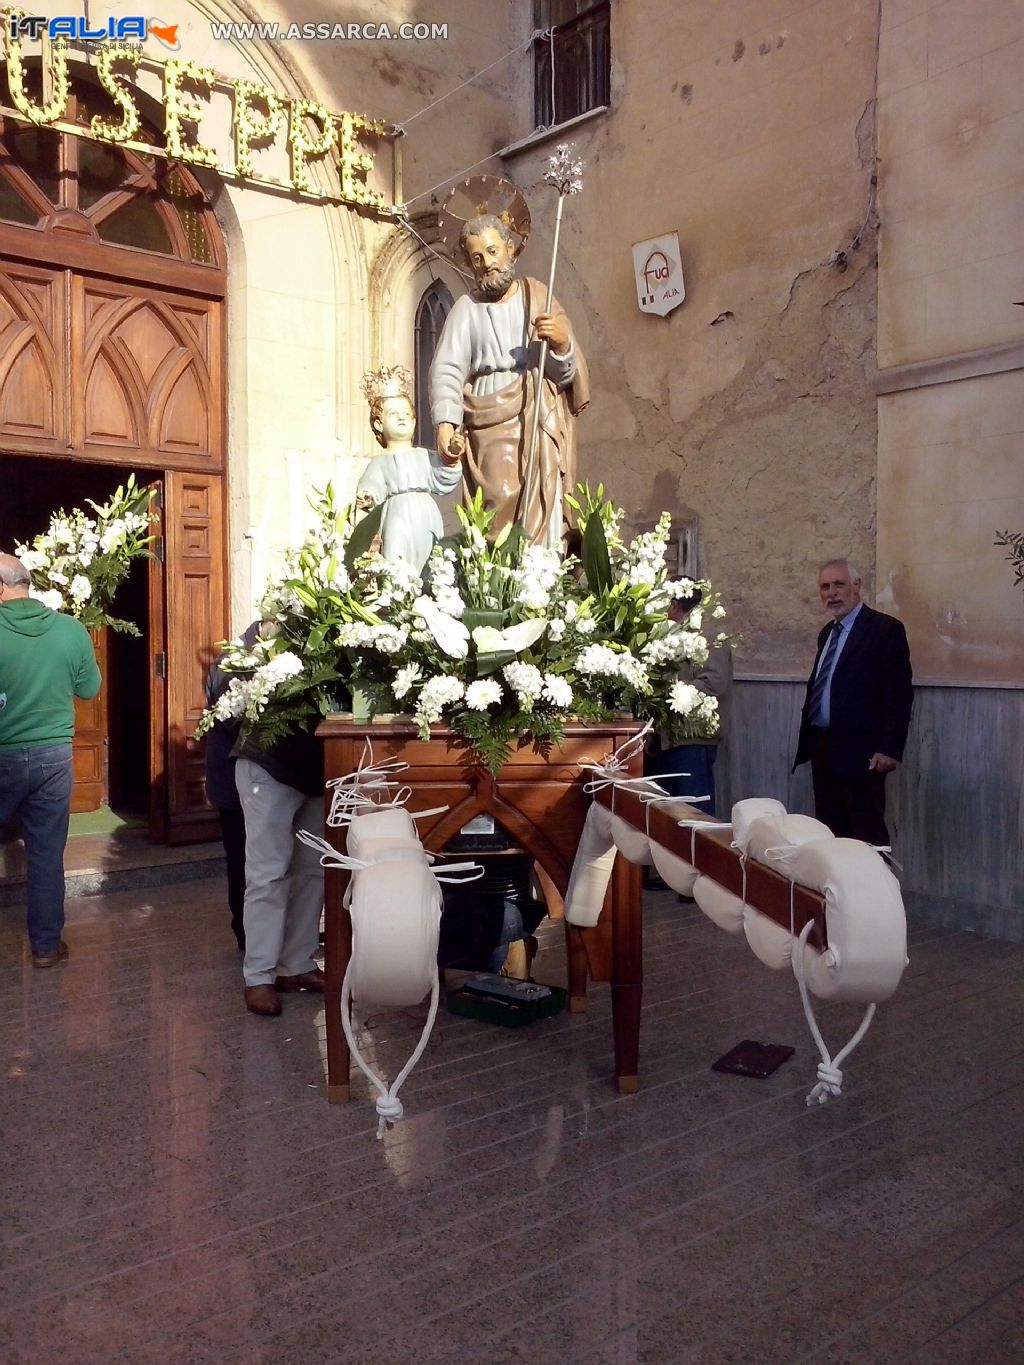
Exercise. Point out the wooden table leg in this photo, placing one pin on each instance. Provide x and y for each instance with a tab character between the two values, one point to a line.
627	971
337	951
576	960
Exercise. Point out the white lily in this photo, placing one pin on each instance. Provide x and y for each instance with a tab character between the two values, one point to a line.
450	634
515	638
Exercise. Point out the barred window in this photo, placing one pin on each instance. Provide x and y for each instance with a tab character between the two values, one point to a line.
571	59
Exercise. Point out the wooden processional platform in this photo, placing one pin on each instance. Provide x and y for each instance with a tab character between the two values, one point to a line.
538	799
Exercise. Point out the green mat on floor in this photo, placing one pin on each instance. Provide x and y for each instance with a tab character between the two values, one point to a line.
102	821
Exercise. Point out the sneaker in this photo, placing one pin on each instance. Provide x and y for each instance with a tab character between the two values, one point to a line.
50	959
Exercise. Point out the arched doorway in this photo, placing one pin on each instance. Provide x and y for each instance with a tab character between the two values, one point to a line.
112	287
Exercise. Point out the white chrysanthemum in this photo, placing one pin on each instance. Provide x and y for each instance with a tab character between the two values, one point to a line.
388	639
666	649
353	634
683	698
81	588
695	647
404	679
483	693
525	680
557	691
599	660
435	694
50	598
633	671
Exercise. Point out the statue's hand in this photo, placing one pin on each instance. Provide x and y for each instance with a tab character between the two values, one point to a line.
553	329
457	445
364	502
446	437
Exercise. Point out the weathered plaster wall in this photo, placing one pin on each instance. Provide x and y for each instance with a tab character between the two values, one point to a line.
951	123
749	130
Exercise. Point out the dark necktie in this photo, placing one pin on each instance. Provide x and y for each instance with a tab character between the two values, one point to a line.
821	678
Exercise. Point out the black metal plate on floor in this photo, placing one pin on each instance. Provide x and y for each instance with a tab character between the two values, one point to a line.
750	1058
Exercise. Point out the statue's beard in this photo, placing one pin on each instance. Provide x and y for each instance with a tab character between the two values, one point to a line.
493	286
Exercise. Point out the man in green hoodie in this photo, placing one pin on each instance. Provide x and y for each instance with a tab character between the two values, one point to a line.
46	660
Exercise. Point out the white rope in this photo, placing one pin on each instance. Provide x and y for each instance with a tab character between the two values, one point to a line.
694	825
830	1077
389	1106
887	850
329	855
519	47
610	771
353	793
466	274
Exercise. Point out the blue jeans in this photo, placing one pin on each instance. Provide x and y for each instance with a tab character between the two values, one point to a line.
35	784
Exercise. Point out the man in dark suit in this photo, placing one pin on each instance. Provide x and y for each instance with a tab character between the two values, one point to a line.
857	709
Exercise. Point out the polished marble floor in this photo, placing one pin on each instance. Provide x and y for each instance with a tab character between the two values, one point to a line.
175	1187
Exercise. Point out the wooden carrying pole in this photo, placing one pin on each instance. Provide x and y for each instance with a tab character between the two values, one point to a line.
710	851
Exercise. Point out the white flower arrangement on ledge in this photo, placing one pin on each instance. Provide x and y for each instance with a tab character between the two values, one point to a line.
501	640
78	562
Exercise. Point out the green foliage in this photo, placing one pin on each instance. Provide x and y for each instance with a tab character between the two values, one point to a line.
362	536
79	562
500	640
1013	542
493	738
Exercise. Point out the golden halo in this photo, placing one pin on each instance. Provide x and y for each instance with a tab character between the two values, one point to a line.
482	194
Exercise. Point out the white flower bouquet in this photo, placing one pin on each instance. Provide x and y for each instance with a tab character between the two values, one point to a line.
501	640
79	561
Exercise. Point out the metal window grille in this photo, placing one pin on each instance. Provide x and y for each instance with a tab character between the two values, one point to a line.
575	36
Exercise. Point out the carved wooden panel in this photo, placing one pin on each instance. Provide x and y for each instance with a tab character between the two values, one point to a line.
196	624
89	748
33	370
147	375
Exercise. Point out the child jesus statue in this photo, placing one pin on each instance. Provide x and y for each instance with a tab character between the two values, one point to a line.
406	479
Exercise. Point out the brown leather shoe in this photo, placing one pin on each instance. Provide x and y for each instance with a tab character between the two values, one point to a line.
305	981
262	1000
50	959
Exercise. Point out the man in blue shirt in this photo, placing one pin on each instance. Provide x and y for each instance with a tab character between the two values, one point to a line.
856	710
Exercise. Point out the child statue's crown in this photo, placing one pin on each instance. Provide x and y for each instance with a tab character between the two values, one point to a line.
387	381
